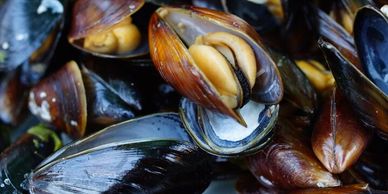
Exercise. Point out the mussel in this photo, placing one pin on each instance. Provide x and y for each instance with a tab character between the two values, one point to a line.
218	62
288	163
60	99
106	28
30	31
152	154
73	99
338	139
17	161
13	97
367	95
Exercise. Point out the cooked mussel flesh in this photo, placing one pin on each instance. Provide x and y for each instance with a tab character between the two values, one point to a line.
243	70
106	28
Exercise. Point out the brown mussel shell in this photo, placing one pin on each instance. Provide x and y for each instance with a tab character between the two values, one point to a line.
347	189
94	16
335	34
13	98
173	61
339	138
60	99
288	163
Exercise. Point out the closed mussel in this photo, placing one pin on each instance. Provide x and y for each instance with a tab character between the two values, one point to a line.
217	61
152	154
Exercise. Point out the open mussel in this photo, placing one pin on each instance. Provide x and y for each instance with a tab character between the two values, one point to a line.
366	94
30	31
218	62
109	28
152	154
370	31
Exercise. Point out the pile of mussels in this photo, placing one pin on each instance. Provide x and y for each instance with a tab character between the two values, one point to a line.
163	96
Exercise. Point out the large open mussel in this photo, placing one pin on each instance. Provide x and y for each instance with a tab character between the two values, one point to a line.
218	62
152	154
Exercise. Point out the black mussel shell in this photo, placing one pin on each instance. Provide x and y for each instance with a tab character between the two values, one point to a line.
17	161
300	27
220	135
297	89
24	27
152	154
371	38
110	101
335	34
367	100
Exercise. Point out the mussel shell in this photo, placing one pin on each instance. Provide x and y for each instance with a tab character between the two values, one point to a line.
171	57
346	189
370	34
94	16
301	27
288	162
110	101
220	135
149	154
24	26
13	98
297	89
260	18
339	138
256	14
17	161
367	100
335	34
60	100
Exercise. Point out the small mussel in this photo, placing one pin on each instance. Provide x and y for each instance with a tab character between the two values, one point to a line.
365	91
60	99
106	28
219	63
152	154
17	161
29	32
73	99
